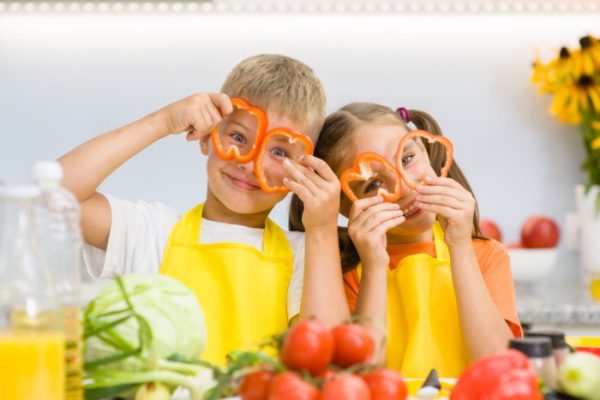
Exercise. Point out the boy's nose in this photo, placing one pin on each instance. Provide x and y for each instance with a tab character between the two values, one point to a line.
247	166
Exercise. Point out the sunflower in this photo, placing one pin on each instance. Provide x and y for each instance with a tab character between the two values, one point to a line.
552	76
571	99
595	144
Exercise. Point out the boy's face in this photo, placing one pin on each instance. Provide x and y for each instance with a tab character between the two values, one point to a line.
233	183
384	140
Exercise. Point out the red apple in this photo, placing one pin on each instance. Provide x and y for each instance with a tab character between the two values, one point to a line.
490	229
539	232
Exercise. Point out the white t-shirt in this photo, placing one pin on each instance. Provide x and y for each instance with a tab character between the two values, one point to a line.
139	233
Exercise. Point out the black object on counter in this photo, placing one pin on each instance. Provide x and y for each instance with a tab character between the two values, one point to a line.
557	338
432	380
533	347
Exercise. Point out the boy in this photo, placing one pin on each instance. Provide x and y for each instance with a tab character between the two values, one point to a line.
247	273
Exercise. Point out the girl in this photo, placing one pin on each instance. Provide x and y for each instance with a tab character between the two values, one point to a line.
419	264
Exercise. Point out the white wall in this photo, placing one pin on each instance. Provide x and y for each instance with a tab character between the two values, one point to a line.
67	78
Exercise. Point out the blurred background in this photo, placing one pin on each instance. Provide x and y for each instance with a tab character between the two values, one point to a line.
72	70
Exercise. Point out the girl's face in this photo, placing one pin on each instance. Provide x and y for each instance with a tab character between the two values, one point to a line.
384	139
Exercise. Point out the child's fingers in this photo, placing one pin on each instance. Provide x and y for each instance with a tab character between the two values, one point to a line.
222	102
380	218
319	166
214	116
448	201
372	211
444	211
303	193
300	176
389	224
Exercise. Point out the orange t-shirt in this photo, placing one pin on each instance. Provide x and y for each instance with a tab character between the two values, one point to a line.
494	263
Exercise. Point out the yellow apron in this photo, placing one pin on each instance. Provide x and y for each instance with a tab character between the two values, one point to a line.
242	291
422	316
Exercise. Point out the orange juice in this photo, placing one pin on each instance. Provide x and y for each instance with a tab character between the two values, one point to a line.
32	365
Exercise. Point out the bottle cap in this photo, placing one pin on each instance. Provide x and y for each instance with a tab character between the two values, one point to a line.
533	347
47	171
557	338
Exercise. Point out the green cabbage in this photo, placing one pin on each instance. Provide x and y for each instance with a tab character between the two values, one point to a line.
144	328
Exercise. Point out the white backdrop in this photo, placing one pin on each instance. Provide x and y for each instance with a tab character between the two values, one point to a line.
67	78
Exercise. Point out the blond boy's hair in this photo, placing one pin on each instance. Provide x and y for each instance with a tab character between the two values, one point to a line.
280	84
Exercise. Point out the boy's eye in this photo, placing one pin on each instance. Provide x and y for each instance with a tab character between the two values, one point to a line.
279	152
238	138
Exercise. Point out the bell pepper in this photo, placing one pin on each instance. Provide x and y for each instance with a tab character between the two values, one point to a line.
431	138
233	152
362	171
259	170
506	375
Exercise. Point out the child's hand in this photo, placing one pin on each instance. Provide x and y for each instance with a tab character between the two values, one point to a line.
368	223
453	204
318	188
197	114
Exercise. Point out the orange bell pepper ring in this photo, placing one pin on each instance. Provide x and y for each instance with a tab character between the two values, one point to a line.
233	152
431	138
362	171
259	171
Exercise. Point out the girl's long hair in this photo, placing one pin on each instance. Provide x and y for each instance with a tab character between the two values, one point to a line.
334	143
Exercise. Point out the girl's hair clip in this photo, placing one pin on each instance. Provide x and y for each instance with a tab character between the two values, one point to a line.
404	114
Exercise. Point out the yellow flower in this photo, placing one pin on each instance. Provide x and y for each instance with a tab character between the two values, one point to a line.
589	56
552	76
570	99
595	143
596	125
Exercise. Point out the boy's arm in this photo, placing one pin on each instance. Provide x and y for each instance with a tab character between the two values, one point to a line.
319	189
86	166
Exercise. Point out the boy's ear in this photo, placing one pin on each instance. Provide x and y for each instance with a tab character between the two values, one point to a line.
205	144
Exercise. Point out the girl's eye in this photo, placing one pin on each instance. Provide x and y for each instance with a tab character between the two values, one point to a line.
373	185
407	159
238	138
279	152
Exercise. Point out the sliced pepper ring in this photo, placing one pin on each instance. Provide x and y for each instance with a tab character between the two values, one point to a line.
233	152
258	168
431	138
361	171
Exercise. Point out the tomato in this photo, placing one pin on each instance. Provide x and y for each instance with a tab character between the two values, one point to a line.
289	386
386	384
345	387
353	344
490	229
539	232
255	386
308	346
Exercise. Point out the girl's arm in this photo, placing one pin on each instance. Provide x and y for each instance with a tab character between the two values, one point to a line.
368	223
319	189
86	166
484	329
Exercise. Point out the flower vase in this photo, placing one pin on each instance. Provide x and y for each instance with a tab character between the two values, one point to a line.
589	241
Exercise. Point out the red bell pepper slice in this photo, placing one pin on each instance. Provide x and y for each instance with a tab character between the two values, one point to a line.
233	152
361	171
431	138
259	170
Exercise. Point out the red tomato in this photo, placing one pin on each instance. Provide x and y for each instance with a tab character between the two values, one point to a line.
345	387
353	344
308	346
255	386
289	386
490	229
386	384
539	232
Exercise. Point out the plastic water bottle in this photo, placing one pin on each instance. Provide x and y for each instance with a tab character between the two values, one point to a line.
58	221
32	351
